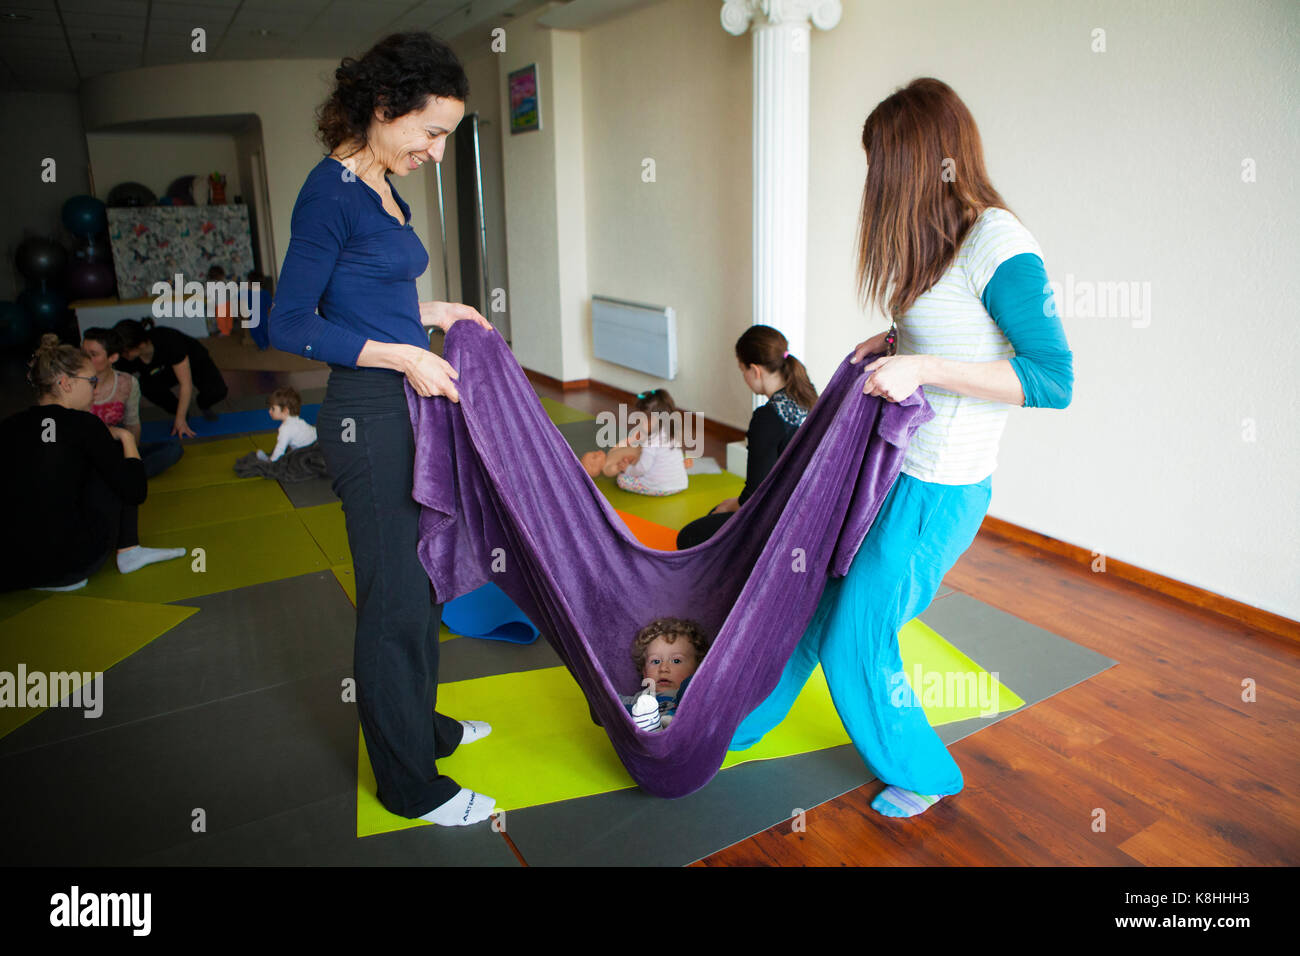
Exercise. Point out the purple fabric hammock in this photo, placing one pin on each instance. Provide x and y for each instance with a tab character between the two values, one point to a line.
506	500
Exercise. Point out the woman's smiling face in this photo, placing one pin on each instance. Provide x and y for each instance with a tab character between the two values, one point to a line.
408	142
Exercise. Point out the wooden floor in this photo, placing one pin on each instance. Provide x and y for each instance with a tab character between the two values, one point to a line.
1186	772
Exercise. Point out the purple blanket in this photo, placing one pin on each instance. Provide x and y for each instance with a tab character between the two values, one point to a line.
506	500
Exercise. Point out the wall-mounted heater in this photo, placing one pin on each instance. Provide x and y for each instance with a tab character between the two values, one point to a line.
643	337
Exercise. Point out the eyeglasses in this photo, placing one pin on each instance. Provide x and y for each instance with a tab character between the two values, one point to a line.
92	379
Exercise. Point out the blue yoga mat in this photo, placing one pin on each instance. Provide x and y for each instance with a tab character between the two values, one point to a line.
489	614
230	423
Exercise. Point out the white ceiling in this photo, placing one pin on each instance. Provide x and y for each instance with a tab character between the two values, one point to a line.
65	42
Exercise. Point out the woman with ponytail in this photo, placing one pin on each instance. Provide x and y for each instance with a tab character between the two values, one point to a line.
976	328
73	484
768	369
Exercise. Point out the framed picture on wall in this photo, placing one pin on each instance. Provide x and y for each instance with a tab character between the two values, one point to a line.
525	107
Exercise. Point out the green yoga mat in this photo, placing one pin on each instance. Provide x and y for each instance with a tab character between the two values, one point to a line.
561	414
211	504
328	527
237	554
11	602
544	747
674	511
71	633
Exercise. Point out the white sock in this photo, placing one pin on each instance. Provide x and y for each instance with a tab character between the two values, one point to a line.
67	587
475	730
133	559
462	810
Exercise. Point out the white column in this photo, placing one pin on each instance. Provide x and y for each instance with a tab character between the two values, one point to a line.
781	30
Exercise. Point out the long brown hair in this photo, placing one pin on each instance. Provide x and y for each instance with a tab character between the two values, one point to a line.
765	346
926	185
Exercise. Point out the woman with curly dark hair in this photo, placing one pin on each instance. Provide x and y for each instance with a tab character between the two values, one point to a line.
354	256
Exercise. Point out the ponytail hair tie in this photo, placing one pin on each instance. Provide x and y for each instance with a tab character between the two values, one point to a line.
785	355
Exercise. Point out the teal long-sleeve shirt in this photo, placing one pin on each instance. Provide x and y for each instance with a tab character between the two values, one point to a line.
1019	298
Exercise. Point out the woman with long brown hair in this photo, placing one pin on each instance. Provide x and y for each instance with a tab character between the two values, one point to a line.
975	327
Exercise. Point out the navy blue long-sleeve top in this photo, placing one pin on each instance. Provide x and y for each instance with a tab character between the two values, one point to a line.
353	262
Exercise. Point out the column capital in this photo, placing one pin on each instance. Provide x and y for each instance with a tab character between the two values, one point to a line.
737	15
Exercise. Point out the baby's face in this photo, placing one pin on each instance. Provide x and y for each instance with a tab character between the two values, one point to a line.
669	663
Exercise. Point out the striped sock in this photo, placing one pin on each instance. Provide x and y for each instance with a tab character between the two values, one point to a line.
897	802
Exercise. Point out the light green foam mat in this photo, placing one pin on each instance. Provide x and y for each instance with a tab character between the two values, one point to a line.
208	463
236	554
561	414
544	747
329	528
674	511
212	504
232	448
69	633
11	602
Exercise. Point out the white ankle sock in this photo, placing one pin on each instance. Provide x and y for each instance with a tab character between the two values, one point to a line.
67	587
462	810
133	559
475	730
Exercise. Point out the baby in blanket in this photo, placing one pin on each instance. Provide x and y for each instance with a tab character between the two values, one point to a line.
667	652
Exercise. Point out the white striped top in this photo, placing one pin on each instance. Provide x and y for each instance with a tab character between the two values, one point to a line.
959	446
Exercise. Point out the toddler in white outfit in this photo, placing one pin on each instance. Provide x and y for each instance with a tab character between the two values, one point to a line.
284	405
651	462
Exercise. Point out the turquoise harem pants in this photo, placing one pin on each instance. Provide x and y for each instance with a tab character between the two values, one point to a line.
920	532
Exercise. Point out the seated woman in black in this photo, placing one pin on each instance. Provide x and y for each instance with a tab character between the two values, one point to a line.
769	369
164	357
72	484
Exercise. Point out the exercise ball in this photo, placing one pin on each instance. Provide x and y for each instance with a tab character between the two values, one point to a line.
94	249
85	216
16	327
46	308
181	191
39	259
89	280
131	194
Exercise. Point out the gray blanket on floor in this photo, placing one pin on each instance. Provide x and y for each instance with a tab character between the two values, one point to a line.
299	464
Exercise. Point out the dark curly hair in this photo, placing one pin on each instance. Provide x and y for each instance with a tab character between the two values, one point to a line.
669	628
398	75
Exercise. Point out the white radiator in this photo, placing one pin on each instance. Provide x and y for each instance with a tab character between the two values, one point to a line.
643	337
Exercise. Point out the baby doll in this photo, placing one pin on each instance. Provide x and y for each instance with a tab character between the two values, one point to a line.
651	462
667	653
285	404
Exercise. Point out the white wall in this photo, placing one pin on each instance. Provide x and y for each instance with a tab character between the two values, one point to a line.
157	159
667	83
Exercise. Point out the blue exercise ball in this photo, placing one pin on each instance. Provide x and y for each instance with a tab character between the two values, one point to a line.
47	308
85	216
16	326
40	259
